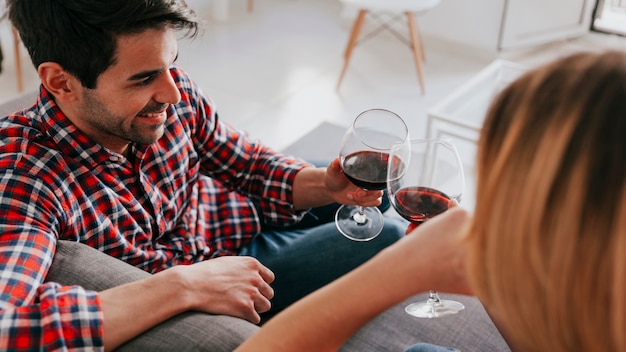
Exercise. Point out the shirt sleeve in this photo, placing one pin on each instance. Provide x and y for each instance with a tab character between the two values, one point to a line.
239	162
35	315
257	172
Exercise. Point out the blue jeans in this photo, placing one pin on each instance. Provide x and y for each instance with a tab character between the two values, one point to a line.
313	253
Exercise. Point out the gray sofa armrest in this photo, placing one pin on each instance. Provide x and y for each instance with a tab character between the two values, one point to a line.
79	264
18	103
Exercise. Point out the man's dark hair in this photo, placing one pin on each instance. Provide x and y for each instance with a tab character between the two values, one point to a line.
80	35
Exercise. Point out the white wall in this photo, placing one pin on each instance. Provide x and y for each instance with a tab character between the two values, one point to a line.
470	24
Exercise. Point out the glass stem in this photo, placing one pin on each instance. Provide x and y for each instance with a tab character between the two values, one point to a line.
433	299
360	217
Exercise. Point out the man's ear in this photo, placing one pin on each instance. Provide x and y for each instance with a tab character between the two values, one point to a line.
64	86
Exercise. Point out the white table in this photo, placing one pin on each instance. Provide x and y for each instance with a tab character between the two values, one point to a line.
460	115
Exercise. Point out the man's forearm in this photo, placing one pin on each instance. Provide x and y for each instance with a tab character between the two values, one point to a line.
309	189
133	308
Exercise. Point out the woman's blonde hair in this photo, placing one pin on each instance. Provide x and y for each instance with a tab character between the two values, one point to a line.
548	238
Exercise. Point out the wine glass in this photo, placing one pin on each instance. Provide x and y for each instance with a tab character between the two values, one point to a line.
424	178
363	158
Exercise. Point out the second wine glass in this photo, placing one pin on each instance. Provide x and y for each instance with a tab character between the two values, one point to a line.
425	178
363	157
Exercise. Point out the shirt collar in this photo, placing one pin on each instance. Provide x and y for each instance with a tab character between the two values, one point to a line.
69	139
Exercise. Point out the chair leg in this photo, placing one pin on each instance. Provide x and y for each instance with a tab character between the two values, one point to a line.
18	60
354	36
416	46
250	5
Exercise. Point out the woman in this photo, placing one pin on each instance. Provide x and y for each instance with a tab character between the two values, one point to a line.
544	250
552	162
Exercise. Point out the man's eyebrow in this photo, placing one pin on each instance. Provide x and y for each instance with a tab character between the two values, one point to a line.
144	75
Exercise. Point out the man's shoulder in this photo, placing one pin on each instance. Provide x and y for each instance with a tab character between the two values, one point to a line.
25	147
16	118
21	127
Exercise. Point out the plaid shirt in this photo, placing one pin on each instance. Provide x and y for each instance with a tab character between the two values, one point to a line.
186	198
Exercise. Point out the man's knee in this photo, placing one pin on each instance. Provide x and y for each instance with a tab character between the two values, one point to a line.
394	229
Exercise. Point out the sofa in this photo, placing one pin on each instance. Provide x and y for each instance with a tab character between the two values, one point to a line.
393	330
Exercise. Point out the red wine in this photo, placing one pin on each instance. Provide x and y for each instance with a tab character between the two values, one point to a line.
367	169
418	204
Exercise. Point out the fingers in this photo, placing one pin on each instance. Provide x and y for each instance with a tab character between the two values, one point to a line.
412	226
262	303
334	167
262	298
265	291
345	192
233	285
257	302
266	274
366	198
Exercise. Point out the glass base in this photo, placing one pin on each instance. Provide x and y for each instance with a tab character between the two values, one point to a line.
430	309
359	224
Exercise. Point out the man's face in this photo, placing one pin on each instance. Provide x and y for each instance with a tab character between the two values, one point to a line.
131	96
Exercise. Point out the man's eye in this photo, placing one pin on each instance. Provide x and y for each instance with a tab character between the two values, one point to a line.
146	81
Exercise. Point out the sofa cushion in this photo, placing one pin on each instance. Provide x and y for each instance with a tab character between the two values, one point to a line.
18	103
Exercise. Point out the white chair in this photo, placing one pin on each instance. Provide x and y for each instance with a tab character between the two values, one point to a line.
18	60
408	8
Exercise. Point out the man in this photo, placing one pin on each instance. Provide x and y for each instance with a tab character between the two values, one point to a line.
123	152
